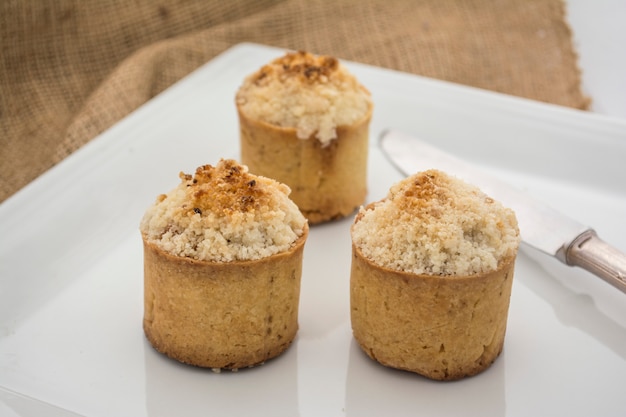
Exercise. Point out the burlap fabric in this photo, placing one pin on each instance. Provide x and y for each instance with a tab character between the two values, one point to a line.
71	69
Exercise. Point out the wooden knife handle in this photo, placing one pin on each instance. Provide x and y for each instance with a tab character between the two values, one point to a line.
590	252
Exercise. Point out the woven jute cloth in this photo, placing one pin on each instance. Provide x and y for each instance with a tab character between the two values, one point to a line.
71	69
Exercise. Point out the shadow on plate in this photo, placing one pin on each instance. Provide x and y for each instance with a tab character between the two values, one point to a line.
270	389
375	390
546	278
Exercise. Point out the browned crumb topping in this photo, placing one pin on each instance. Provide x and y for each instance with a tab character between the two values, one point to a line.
314	94
224	213
302	65
227	188
432	223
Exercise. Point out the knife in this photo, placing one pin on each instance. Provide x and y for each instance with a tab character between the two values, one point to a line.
541	227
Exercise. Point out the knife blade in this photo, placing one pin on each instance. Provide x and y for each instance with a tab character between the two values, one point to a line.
541	227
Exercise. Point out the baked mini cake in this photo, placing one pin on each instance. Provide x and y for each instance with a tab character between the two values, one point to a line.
222	267
304	121
431	275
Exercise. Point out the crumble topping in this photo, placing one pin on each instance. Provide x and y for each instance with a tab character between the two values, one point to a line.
222	214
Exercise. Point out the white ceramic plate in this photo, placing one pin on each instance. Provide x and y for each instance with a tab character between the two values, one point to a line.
71	341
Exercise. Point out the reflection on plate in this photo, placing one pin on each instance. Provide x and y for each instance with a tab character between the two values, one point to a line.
71	266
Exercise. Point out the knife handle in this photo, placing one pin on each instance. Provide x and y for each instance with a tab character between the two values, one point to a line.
590	252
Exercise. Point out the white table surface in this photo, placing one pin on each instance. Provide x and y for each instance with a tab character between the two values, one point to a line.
599	34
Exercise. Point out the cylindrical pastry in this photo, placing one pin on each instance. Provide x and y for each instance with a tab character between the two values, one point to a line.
222	268
304	121
431	277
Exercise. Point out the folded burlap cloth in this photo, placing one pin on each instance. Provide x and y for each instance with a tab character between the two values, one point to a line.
71	69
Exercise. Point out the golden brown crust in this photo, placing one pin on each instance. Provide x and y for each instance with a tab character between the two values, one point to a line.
327	182
442	327
221	315
304	120
431	277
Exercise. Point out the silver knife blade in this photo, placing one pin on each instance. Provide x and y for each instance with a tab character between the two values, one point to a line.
541	227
